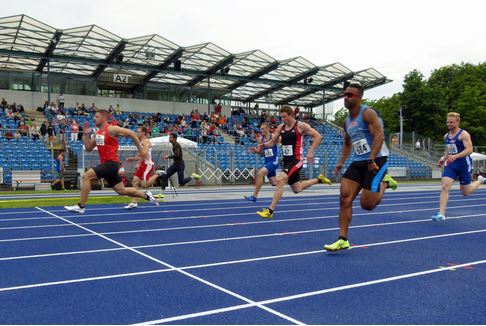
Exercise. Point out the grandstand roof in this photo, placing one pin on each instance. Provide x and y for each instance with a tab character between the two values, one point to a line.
252	76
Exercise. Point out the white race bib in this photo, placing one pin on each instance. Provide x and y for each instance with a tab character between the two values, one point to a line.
361	147
100	140
287	150
268	152
451	149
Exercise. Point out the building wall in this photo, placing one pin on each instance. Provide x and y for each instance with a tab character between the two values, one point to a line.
32	100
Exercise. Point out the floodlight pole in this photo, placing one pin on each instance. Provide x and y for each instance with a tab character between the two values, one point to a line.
49	81
324	104
401	128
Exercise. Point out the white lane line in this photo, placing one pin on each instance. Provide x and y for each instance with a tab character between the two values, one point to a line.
313	293
389	197
229	239
231	262
195	217
254	236
194	277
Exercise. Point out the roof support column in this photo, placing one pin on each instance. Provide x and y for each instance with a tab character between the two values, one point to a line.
209	95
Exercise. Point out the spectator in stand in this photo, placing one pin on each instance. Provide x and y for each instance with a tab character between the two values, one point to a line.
62	132
51	132
111	109
34	131
218	109
9	113
17	135
204	131
43	130
126	123
60	169
74	130
23	129
60	101
92	108
80	133
4	103
9	135
54	110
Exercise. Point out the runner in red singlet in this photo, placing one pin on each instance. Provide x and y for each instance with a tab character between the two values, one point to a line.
106	140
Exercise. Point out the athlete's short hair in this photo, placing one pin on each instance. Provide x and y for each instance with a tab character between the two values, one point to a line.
287	109
144	129
454	115
174	135
355	84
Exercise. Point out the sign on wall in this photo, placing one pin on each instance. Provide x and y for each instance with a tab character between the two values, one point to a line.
118	78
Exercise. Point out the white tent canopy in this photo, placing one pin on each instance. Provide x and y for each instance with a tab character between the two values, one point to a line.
164	142
478	157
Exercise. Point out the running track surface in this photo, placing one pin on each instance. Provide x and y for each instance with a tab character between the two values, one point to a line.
216	262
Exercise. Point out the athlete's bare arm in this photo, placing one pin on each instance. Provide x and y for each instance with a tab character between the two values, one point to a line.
89	142
307	130
275	138
116	131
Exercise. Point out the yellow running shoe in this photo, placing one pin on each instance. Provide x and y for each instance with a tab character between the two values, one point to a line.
340	244
159	196
323	179
391	182
265	213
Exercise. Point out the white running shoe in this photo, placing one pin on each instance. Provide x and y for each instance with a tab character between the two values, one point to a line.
152	198
131	205
75	209
160	172
482	179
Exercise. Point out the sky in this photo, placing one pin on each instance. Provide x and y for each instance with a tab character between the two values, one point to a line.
394	37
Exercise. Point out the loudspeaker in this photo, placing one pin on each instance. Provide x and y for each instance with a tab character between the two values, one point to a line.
177	65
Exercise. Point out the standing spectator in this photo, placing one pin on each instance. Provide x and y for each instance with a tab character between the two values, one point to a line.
74	130
60	169
60	101
219	108
43	130
51	132
417	145
394	141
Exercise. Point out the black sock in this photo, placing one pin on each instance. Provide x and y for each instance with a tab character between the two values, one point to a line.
271	210
147	197
319	180
343	238
81	206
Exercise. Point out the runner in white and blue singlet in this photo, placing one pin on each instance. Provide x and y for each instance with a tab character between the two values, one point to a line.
365	135
457	163
271	162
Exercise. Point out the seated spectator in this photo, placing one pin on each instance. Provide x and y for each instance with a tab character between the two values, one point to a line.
17	135
9	135
34	131
22	129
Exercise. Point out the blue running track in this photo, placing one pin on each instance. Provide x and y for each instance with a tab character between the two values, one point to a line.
217	262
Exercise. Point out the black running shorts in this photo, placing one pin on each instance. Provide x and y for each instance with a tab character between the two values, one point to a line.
370	180
292	169
109	172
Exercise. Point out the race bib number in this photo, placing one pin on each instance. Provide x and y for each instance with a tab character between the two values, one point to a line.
287	150
451	149
100	140
361	147
268	152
